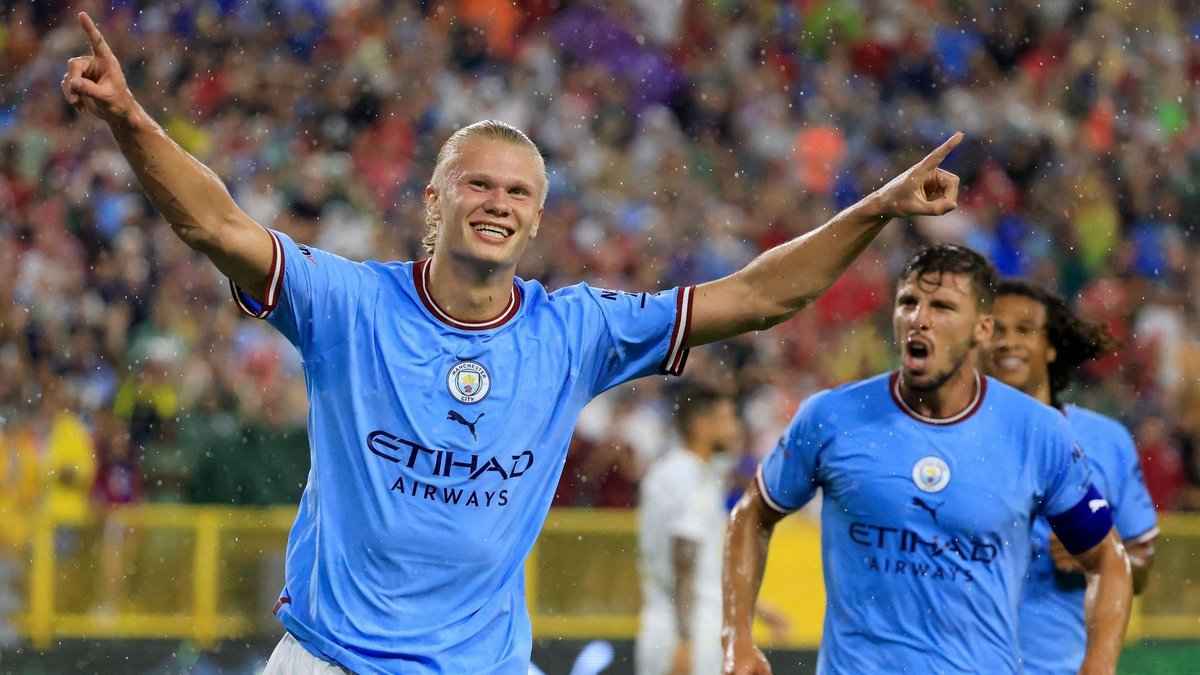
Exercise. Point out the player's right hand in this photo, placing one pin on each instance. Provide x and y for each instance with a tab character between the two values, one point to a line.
95	83
743	657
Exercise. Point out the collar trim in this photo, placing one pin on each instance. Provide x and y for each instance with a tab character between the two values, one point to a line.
421	281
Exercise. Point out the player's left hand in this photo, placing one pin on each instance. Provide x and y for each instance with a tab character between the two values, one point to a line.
743	657
1063	561
95	83
924	189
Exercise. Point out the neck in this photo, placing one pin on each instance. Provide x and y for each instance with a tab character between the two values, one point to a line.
466	291
699	447
947	400
1041	392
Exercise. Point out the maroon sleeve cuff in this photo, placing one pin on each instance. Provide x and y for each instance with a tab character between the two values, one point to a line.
677	353
252	307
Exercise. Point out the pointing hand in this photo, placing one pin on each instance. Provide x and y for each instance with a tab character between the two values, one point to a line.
95	83
924	189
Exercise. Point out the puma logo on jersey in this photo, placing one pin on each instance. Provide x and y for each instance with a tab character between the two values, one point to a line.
917	501
307	253
457	417
1097	504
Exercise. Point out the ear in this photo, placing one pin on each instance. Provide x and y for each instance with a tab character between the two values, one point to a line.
984	328
1051	354
431	197
537	221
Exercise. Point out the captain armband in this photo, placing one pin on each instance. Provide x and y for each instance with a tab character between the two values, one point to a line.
1084	525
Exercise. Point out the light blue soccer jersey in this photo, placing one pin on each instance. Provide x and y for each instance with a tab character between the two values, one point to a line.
925	523
436	446
1053	634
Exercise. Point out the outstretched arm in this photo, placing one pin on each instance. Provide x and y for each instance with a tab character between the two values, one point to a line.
188	194
784	280
746	544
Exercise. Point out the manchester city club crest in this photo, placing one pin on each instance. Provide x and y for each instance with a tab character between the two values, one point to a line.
931	474
469	382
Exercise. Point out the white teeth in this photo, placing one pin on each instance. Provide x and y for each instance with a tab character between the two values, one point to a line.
1008	363
492	229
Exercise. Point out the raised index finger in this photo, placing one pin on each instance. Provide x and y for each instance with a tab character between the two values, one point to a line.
99	46
933	159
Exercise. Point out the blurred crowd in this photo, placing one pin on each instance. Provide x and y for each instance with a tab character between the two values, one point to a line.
682	138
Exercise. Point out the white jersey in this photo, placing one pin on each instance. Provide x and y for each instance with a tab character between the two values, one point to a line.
681	496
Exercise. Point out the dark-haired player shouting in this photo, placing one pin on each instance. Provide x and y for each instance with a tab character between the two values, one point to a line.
932	476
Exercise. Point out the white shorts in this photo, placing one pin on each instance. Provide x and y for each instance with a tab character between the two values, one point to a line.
291	658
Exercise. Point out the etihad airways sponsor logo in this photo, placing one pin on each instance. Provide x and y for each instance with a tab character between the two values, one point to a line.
446	463
426	464
899	550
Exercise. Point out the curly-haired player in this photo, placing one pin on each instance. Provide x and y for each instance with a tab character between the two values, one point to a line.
1037	346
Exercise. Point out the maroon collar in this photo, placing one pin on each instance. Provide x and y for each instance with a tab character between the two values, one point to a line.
975	404
421	280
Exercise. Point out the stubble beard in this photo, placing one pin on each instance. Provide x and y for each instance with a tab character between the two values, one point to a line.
944	377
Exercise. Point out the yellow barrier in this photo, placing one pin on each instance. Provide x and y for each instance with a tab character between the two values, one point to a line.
151	571
211	573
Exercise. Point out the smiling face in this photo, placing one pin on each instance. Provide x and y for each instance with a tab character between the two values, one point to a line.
938	321
1019	353
489	204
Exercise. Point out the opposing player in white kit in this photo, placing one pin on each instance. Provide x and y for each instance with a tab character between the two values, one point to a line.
681	527
443	392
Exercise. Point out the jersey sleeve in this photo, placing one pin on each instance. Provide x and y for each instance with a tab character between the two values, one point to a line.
639	334
788	477
1133	510
1065	473
315	298
1077	512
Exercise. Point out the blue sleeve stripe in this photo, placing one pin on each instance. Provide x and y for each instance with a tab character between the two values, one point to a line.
1084	525
766	494
274	286
677	354
247	304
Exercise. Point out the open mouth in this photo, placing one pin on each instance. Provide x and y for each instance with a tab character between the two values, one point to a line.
1009	363
916	354
492	230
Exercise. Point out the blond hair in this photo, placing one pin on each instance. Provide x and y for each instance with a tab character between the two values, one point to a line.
486	129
